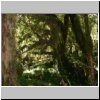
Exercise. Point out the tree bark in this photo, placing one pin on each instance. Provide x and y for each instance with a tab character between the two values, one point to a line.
85	42
59	36
9	76
89	54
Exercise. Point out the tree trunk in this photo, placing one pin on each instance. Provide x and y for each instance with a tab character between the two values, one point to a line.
91	68
85	42
59	38
89	53
8	50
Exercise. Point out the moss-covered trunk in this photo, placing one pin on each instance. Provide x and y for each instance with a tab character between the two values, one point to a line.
59	36
85	42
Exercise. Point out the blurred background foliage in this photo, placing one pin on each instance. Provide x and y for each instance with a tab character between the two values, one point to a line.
36	42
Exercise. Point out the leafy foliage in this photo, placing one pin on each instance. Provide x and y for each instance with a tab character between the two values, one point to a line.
49	54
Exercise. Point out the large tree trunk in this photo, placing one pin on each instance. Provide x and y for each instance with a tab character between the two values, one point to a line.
85	42
59	36
8	50
90	51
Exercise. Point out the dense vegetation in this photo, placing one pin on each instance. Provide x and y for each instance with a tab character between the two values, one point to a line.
50	49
